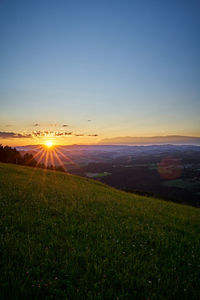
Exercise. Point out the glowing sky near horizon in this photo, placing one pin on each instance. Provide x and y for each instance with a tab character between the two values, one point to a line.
131	67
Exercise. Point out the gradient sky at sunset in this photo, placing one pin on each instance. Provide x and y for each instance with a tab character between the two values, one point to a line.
104	68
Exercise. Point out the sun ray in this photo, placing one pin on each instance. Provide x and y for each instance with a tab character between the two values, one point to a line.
67	158
45	169
36	167
46	159
50	154
53	163
58	159
41	157
35	155
52	158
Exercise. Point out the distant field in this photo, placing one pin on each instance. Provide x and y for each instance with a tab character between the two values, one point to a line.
97	175
67	237
183	184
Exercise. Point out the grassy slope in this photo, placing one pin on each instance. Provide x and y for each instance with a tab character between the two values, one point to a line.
66	237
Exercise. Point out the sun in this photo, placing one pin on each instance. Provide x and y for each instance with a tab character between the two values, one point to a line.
48	144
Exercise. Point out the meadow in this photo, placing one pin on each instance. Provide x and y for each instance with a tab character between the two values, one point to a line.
67	237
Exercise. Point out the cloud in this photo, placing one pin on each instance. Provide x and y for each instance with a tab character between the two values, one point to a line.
37	133
14	135
58	133
65	125
169	139
36	124
50	133
79	134
41	133
89	120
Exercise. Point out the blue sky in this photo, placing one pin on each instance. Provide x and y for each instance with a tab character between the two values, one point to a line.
132	67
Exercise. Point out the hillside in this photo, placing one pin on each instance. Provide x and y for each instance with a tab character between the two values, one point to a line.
66	237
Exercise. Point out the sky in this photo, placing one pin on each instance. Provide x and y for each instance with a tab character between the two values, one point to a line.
78	72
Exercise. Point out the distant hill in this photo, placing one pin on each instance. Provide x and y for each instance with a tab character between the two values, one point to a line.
67	237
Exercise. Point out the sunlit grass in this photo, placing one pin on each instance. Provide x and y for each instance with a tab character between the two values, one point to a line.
66	237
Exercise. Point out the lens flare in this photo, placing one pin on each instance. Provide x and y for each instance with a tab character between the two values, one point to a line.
169	168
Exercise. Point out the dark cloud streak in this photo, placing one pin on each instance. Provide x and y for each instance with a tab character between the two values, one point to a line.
39	133
14	135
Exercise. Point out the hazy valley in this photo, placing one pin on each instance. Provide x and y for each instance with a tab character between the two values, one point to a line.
170	172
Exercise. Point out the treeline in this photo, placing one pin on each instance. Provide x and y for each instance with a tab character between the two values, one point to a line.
11	155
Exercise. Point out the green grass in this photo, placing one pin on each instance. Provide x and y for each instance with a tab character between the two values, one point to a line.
97	175
66	237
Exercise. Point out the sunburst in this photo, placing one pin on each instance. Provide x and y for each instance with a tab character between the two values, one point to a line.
49	144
